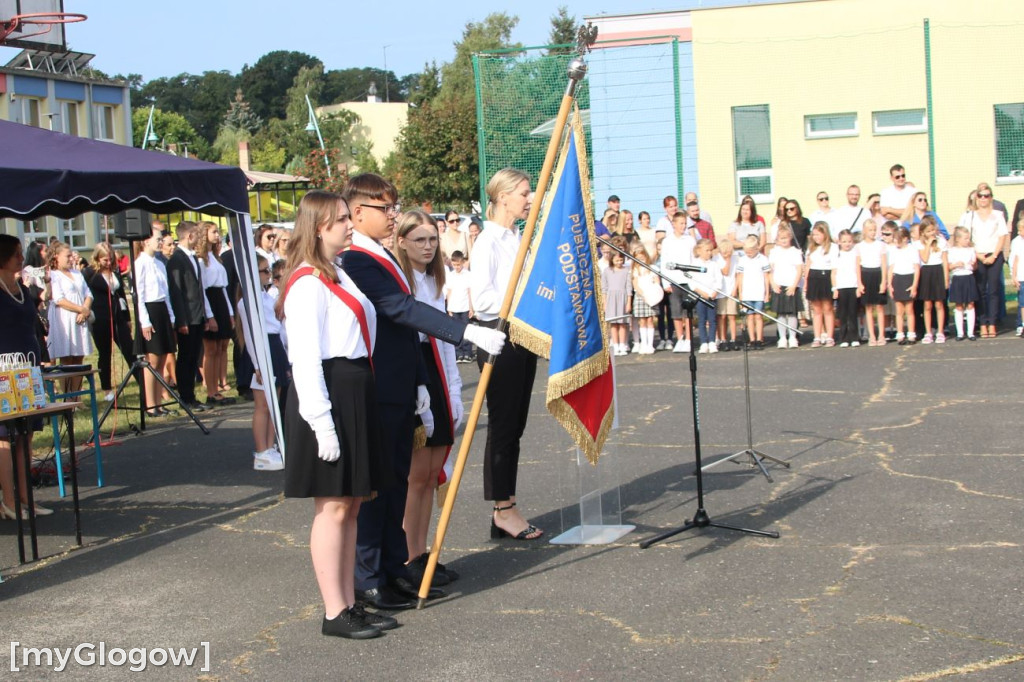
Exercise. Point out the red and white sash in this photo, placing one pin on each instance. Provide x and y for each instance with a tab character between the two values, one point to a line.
348	299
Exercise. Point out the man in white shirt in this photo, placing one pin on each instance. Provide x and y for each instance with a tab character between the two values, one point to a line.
896	197
850	217
824	214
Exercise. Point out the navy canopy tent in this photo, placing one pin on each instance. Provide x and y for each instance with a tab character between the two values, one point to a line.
47	173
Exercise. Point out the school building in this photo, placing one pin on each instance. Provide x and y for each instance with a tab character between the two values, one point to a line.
788	98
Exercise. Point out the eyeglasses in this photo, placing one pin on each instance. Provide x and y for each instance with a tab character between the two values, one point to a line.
984	195
452	221
822	198
921	199
423	241
271	237
264	271
386	209
887	234
791	209
899	177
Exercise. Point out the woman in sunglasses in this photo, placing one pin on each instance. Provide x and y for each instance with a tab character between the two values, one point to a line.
917	209
797	224
989	234
451	237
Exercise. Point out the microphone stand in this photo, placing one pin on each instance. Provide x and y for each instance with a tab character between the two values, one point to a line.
701	519
756	456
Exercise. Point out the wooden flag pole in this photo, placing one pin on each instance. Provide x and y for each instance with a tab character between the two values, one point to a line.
577	69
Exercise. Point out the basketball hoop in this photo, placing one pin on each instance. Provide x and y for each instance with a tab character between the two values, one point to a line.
43	21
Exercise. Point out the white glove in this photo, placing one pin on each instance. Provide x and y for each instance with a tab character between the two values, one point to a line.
457	411
489	340
428	422
422	400
329	447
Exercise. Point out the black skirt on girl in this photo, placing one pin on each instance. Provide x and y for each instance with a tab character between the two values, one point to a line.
162	340
218	297
819	285
784	304
359	471
932	284
438	402
871	278
963	289
901	288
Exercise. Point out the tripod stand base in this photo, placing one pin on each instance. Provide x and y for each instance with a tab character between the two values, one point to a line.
141	366
702	520
756	459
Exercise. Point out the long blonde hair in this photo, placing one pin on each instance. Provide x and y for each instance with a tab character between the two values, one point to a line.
504	181
203	245
102	249
826	244
408	222
317	209
909	211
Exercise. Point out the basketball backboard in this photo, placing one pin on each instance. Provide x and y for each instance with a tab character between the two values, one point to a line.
39	33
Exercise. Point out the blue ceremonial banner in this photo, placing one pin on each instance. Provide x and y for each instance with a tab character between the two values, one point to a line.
558	311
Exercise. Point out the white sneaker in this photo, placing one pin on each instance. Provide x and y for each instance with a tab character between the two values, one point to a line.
844	344
712	347
794	342
108	396
648	349
681	346
703	348
854	344
782	342
1020	330
637	347
267	460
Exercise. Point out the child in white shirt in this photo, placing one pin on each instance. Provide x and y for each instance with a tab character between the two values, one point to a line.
752	287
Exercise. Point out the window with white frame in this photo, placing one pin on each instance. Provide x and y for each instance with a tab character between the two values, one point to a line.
899	122
1009	120
830	125
752	149
104	122
29	111
72	232
35	230
69	118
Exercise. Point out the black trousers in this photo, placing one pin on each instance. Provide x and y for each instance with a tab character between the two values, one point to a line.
508	405
105	334
846	311
187	362
381	549
987	277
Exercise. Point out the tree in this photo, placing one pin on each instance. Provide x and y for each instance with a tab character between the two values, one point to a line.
240	116
266	82
202	100
172	129
426	86
437	155
314	168
563	30
493	33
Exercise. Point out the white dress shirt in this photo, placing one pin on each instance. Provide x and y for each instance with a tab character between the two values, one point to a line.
151	286
494	254
426	292
194	260
321	326
362	241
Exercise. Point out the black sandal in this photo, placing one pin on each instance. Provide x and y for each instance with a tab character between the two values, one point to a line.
526	534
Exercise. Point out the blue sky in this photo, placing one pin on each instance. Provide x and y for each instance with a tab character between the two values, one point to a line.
159	39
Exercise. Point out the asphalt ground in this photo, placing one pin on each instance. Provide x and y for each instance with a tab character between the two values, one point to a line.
899	558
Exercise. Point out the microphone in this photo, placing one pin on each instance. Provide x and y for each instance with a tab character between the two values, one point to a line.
686	268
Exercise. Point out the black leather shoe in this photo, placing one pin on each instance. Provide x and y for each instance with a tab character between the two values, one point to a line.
377	620
418	566
384	598
349	624
406	588
196	406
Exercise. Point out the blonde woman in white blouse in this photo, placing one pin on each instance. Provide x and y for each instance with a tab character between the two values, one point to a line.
989	234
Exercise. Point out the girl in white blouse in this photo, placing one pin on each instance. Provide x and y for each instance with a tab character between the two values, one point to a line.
332	429
215	343
820	275
155	335
422	259
872	280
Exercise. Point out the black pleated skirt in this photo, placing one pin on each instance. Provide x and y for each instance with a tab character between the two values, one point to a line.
819	285
932	284
784	304
162	341
360	470
438	402
963	289
218	297
901	288
871	278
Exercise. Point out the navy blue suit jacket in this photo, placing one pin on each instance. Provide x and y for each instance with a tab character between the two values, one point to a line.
398	365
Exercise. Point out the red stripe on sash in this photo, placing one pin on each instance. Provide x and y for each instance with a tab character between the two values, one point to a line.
387	264
348	299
